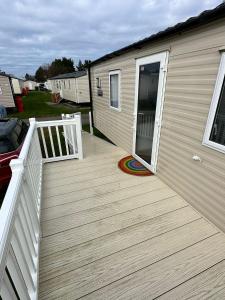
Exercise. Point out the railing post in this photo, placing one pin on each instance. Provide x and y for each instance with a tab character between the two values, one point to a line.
32	120
90	123
79	114
79	136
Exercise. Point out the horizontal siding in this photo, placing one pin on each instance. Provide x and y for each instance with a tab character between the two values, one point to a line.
192	69
185	114
54	87
77	92
69	92
16	86
6	98
83	89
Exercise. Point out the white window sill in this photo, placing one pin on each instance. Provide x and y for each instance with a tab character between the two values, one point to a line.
114	108
214	146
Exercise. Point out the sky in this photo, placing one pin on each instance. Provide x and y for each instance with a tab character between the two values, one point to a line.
35	32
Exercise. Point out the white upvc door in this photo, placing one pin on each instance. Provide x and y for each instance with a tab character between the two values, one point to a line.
149	96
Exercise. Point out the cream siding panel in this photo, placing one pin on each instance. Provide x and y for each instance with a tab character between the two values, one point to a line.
77	91
16	86
54	86
6	98
192	69
49	84
30	84
83	89
69	92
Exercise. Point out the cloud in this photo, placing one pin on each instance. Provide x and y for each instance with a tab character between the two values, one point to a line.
34	32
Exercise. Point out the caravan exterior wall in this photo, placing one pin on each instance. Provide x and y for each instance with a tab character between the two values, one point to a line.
55	84
83	94
6	93
16	86
76	89
194	58
69	89
72	89
48	85
30	85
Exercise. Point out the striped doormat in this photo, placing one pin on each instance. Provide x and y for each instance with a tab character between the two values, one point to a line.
131	166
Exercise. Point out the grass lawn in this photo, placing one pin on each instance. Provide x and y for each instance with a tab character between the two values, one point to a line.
39	104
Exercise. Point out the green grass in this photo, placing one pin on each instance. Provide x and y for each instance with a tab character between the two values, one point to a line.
96	133
36	105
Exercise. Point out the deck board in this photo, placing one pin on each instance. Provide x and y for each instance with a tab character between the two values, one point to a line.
90	215
109	235
209	284
154	280
77	256
102	199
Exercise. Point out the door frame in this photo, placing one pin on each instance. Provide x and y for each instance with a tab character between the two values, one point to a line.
161	57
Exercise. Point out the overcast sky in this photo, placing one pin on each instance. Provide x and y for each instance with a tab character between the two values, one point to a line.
34	32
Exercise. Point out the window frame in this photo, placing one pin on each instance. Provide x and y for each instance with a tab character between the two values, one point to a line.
98	82
115	72
213	108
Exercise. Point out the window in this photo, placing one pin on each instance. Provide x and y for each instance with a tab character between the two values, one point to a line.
98	83
214	136
69	84
114	89
64	84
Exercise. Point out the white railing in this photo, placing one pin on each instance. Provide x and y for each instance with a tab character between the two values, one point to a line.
61	139
90	123
20	212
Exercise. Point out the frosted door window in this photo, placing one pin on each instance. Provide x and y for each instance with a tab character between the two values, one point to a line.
114	90
147	101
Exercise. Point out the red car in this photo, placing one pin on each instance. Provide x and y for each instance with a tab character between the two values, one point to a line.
12	135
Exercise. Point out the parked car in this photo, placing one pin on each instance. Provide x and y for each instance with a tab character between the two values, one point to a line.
42	87
12	135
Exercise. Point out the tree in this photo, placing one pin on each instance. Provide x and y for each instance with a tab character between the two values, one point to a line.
58	66
83	66
61	66
29	77
41	74
79	66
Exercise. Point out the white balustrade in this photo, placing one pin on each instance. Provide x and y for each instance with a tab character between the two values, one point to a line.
20	212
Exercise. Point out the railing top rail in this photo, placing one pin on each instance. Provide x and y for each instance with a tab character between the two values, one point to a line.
28	139
58	122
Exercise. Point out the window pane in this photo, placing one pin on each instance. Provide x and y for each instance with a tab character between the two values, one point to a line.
114	90
218	129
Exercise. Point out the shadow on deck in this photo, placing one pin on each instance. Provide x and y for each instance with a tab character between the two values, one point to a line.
109	235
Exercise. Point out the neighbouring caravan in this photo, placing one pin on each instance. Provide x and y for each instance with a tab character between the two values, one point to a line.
72	86
48	85
30	84
6	92
163	100
21	83
17	85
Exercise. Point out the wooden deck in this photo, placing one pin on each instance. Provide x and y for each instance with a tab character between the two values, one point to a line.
109	235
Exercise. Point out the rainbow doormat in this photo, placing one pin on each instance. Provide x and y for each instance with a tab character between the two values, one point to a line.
131	166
